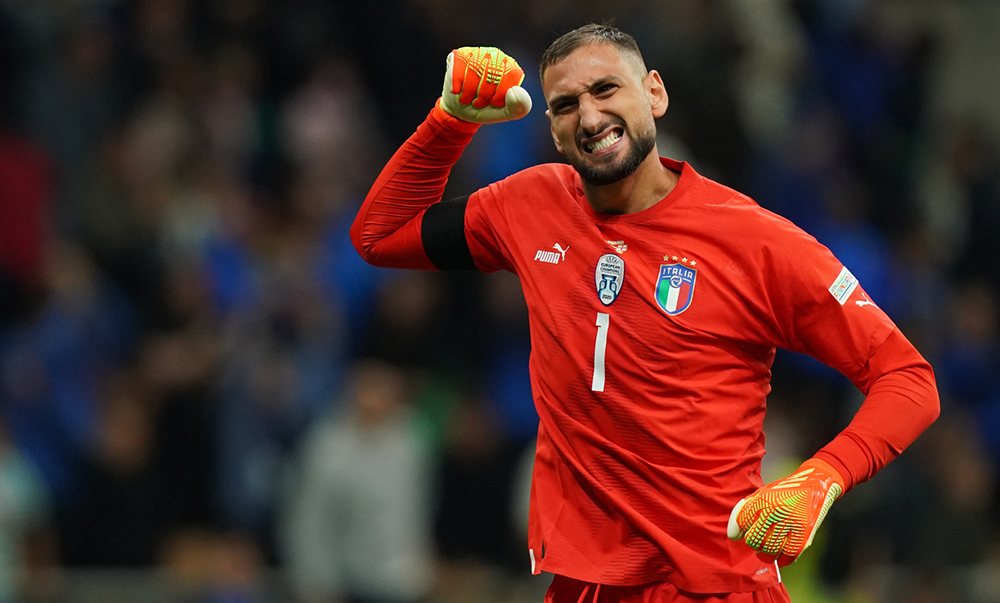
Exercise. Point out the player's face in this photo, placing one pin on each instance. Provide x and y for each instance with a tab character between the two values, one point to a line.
601	109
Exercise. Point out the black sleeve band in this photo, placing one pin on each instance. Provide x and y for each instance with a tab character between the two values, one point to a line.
443	235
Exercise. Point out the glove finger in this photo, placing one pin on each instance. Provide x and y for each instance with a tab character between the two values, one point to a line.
511	78
456	70
752	511
471	77
758	531
470	87
486	93
776	539
517	103
491	68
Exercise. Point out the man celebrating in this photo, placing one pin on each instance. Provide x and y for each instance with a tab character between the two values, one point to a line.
656	300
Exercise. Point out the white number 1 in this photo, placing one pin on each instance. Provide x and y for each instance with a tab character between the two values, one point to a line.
603	322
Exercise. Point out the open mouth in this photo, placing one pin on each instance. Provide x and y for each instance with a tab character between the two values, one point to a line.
607	140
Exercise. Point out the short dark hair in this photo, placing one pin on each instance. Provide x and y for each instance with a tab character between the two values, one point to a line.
589	34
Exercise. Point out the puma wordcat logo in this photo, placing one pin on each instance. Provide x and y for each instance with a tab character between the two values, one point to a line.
552	257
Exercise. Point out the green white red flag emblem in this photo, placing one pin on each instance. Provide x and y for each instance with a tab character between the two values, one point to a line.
675	288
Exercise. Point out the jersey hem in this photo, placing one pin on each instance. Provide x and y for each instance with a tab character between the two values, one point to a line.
734	585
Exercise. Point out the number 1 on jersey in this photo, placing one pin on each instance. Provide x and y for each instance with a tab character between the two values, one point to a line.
603	322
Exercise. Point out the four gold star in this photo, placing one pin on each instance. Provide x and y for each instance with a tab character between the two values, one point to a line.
684	260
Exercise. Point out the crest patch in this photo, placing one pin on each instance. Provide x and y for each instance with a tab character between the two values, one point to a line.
608	277
675	288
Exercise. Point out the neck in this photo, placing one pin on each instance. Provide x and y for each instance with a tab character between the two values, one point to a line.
646	187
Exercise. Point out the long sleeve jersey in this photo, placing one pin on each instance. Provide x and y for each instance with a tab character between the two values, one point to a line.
652	334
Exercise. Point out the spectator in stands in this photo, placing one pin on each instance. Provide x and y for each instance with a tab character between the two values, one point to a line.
358	527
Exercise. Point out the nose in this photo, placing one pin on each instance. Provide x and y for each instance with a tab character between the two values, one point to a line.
590	116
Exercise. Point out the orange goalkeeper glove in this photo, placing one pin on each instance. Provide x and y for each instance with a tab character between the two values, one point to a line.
482	85
781	519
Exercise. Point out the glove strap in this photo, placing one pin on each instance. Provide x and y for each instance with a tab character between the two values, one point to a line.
825	467
447	120
836	489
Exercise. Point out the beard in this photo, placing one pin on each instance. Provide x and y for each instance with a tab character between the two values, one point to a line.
600	175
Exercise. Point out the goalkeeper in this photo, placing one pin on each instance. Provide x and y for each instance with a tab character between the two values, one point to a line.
656	300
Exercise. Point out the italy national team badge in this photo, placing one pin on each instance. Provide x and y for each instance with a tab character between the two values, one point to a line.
608	277
675	288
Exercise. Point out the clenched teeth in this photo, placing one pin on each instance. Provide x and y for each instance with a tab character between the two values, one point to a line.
605	142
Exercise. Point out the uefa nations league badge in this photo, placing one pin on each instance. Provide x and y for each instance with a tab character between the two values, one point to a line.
609	276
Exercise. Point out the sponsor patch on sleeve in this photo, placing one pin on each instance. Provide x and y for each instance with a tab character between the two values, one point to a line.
843	286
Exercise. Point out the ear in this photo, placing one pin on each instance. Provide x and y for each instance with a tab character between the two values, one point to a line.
657	93
553	132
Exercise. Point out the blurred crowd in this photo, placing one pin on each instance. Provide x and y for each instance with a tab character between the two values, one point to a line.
198	374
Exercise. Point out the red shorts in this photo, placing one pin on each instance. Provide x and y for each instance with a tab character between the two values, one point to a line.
568	590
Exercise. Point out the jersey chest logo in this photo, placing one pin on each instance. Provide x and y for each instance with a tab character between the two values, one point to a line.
608	277
675	288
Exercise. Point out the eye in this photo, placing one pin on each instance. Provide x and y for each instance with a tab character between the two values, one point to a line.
563	107
605	90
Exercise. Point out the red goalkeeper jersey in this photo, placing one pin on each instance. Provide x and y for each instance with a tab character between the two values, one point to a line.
652	339
652	336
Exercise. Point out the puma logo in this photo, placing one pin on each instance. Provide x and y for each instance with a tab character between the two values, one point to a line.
866	302
551	257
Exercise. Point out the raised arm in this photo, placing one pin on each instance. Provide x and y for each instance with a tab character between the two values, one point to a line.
482	85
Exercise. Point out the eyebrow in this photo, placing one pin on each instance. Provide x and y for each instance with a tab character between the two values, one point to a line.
608	79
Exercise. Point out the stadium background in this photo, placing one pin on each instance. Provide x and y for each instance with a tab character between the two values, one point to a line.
187	337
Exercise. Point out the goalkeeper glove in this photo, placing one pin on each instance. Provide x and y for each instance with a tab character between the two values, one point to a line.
482	85
780	519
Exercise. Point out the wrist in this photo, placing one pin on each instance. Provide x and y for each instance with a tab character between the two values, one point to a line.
821	465
446	120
